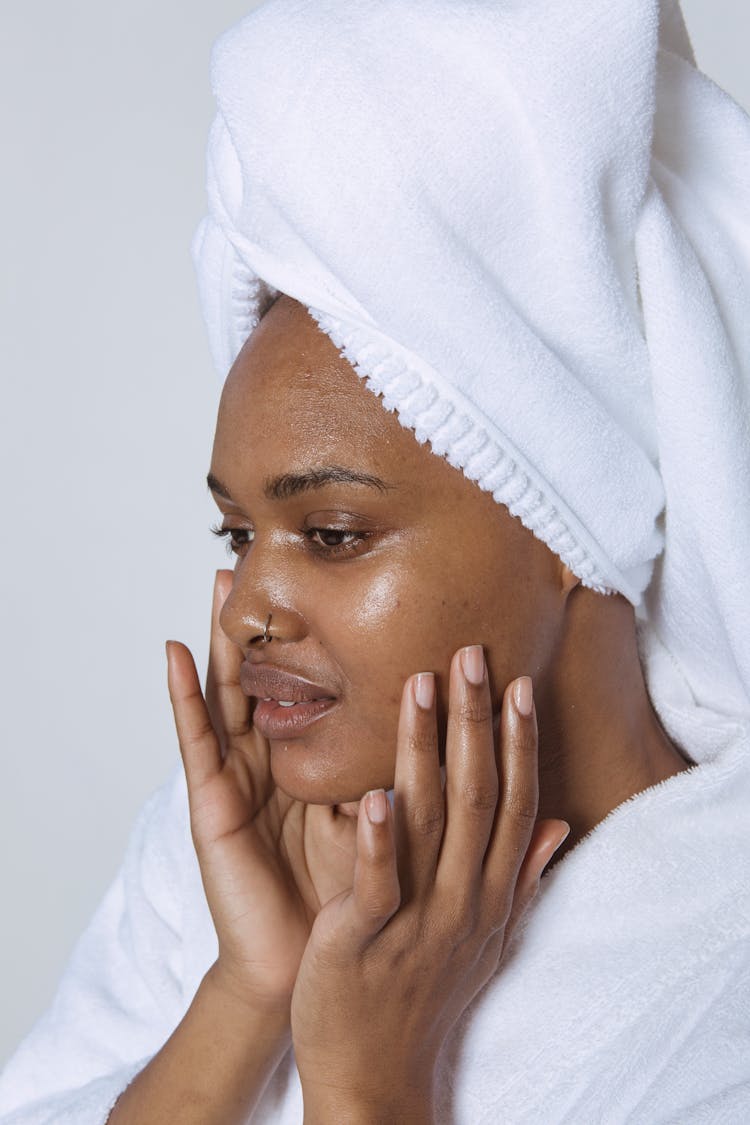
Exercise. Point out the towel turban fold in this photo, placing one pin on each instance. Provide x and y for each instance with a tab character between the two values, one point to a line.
527	226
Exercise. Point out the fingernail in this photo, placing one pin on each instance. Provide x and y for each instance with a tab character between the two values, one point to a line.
424	689
375	804
472	662
523	696
562	839
556	848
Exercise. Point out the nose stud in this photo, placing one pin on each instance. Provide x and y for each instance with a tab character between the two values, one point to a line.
266	638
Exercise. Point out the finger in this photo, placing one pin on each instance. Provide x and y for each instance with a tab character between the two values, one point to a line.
418	792
376	893
546	838
227	704
199	746
517	808
471	781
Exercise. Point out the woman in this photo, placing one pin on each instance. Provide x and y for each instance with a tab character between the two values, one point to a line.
524	541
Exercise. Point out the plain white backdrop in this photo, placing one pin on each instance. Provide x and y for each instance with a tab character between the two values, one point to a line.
109	400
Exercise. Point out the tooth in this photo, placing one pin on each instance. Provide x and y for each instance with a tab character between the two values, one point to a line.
286	703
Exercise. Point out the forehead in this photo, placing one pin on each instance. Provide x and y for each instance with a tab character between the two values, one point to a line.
290	397
292	404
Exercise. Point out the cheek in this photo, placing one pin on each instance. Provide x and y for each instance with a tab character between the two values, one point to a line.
390	625
378	629
372	605
402	622
414	617
381	624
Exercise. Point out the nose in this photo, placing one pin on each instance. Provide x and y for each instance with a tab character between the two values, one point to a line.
257	595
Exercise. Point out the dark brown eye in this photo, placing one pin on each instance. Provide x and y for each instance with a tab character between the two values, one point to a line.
333	537
334	541
237	537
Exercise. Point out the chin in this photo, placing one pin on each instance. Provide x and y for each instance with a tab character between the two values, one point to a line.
307	773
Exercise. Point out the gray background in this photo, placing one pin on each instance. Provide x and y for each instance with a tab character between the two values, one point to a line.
108	407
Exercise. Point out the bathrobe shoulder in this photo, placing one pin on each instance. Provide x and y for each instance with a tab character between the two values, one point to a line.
123	989
625	995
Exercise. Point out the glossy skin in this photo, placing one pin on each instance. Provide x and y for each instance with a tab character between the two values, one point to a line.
362	940
360	620
441	565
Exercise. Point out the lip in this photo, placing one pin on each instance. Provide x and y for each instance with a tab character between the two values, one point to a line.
275	721
267	685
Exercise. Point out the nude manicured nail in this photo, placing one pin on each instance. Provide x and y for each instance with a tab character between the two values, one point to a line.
472	662
375	804
555	847
424	689
523	696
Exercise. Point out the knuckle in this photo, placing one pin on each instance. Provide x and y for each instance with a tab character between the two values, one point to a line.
379	860
418	742
427	819
461	926
521	808
526	740
499	907
236	729
475	710
381	902
198	731
479	797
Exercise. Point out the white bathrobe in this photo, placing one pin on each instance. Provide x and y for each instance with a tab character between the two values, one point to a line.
625	995
557	200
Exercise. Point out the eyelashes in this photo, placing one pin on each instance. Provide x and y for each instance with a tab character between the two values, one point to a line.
326	542
232	537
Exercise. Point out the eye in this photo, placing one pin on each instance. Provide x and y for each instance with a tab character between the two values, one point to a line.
238	538
330	541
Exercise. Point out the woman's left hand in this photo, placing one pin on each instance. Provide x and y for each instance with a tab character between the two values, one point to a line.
439	884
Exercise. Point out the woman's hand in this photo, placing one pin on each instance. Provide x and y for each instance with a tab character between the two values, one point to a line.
268	862
438	886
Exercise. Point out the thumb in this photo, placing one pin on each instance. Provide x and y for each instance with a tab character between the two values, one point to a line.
377	893
546	838
359	914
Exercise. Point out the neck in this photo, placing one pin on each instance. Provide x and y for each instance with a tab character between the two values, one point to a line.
600	740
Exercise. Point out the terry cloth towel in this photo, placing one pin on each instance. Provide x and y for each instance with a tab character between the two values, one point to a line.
625	1000
527	226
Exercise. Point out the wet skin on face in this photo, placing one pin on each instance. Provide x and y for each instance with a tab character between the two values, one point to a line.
376	558
402	573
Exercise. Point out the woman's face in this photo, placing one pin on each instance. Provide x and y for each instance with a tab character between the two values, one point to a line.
375	558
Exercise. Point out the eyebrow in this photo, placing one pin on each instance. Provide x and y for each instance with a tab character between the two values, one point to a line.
292	484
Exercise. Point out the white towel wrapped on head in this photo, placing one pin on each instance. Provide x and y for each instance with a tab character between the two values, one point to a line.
528	228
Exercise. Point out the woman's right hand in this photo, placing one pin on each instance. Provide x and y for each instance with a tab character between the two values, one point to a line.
268	862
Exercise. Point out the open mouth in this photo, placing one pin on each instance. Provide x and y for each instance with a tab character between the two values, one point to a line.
283	718
286	703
